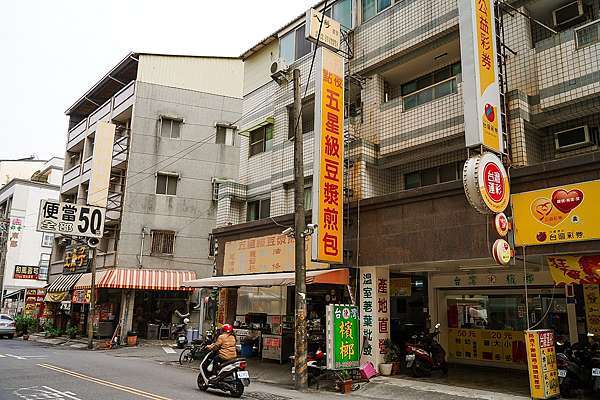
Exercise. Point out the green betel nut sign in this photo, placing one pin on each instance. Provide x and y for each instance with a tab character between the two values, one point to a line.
343	345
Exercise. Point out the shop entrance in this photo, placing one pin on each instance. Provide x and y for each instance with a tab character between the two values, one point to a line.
154	312
408	306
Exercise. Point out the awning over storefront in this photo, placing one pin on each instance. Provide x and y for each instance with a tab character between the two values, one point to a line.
63	283
330	276
85	282
148	279
56	297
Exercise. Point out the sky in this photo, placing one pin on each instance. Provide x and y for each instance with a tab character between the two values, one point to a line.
53	51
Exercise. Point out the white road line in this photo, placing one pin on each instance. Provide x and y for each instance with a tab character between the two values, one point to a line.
17	357
169	350
2	356
69	395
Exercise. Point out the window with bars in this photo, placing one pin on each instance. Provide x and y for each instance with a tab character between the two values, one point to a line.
166	183
170	127
431	176
163	242
44	265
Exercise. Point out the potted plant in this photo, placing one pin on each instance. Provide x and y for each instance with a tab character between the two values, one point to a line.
385	368
24	324
72	331
345	381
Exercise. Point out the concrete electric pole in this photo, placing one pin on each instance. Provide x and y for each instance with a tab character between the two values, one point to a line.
301	381
92	300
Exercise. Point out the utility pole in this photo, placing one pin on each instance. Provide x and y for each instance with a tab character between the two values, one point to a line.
92	301
301	382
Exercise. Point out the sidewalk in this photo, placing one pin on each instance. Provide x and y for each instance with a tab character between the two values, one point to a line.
79	343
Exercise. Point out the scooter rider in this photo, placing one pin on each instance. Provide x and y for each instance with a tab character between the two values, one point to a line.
225	345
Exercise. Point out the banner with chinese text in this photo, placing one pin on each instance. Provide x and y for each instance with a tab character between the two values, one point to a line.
558	214
272	253
343	351
591	296
575	269
480	74
498	346
328	165
541	358
374	313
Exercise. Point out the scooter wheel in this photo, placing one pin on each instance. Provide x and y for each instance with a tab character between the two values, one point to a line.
201	385
238	389
419	369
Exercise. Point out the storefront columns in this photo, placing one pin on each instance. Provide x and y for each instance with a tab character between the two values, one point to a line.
572	316
126	317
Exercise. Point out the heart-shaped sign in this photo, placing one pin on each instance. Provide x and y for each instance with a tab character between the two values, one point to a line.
567	201
544	211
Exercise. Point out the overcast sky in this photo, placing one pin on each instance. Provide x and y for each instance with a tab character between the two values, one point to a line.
52	51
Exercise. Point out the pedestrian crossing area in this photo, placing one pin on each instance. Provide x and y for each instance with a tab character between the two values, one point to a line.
8	356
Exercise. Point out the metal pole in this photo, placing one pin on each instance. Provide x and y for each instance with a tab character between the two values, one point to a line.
301	382
4	227
92	302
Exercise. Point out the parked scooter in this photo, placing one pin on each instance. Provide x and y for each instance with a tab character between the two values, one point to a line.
578	367
180	333
316	364
425	354
231	376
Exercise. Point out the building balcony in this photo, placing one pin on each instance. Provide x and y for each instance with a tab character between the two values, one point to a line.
111	109
568	66
71	178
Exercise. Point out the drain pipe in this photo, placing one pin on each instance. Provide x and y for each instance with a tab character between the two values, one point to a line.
141	256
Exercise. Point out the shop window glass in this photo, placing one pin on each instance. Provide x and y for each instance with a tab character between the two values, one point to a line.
269	300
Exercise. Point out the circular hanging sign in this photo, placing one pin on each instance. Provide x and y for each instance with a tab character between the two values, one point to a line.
501	223
501	252
486	183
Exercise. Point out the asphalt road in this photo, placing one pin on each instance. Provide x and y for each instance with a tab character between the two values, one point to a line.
31	371
34	371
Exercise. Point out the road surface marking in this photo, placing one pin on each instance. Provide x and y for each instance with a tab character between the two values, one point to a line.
46	392
113	385
169	350
2	356
17	357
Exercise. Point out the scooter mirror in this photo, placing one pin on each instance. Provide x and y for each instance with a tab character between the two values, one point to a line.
437	326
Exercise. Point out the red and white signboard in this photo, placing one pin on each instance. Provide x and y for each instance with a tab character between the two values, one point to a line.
486	183
501	252
501	224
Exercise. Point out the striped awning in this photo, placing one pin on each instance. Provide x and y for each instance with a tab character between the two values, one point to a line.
85	282
63	283
148	279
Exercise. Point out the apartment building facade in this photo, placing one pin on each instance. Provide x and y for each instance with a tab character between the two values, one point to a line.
173	123
407	215
25	253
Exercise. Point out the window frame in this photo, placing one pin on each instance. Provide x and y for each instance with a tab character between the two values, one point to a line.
261	204
168	175
161	245
293	33
225	130
267	144
377	9
456	166
162	118
46	235
291	122
44	276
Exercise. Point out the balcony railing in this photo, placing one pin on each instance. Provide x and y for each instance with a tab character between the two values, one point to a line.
112	107
71	174
87	165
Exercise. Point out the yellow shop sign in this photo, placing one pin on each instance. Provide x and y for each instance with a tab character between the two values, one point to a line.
555	215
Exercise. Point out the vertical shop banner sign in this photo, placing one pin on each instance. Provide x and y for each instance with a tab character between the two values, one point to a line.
568	213
328	166
374	313
575	269
481	88
591	296
101	164
343	342
541	358
14	231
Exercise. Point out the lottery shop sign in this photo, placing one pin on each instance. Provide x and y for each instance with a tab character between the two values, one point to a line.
70	219
486	184
26	272
328	165
541	358
343	351
559	214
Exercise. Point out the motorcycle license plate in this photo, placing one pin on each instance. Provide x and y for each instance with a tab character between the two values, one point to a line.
562	373
243	374
595	371
410	358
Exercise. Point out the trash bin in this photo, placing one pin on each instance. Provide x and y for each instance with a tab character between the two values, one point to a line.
152	332
196	334
132	338
190	335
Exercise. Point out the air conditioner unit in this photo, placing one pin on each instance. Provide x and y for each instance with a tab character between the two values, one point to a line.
279	70
568	13
572	138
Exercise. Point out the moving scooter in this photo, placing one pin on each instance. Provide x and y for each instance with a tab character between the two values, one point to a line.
231	376
425	354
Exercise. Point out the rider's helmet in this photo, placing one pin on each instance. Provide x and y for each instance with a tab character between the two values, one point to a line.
227	328
186	321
